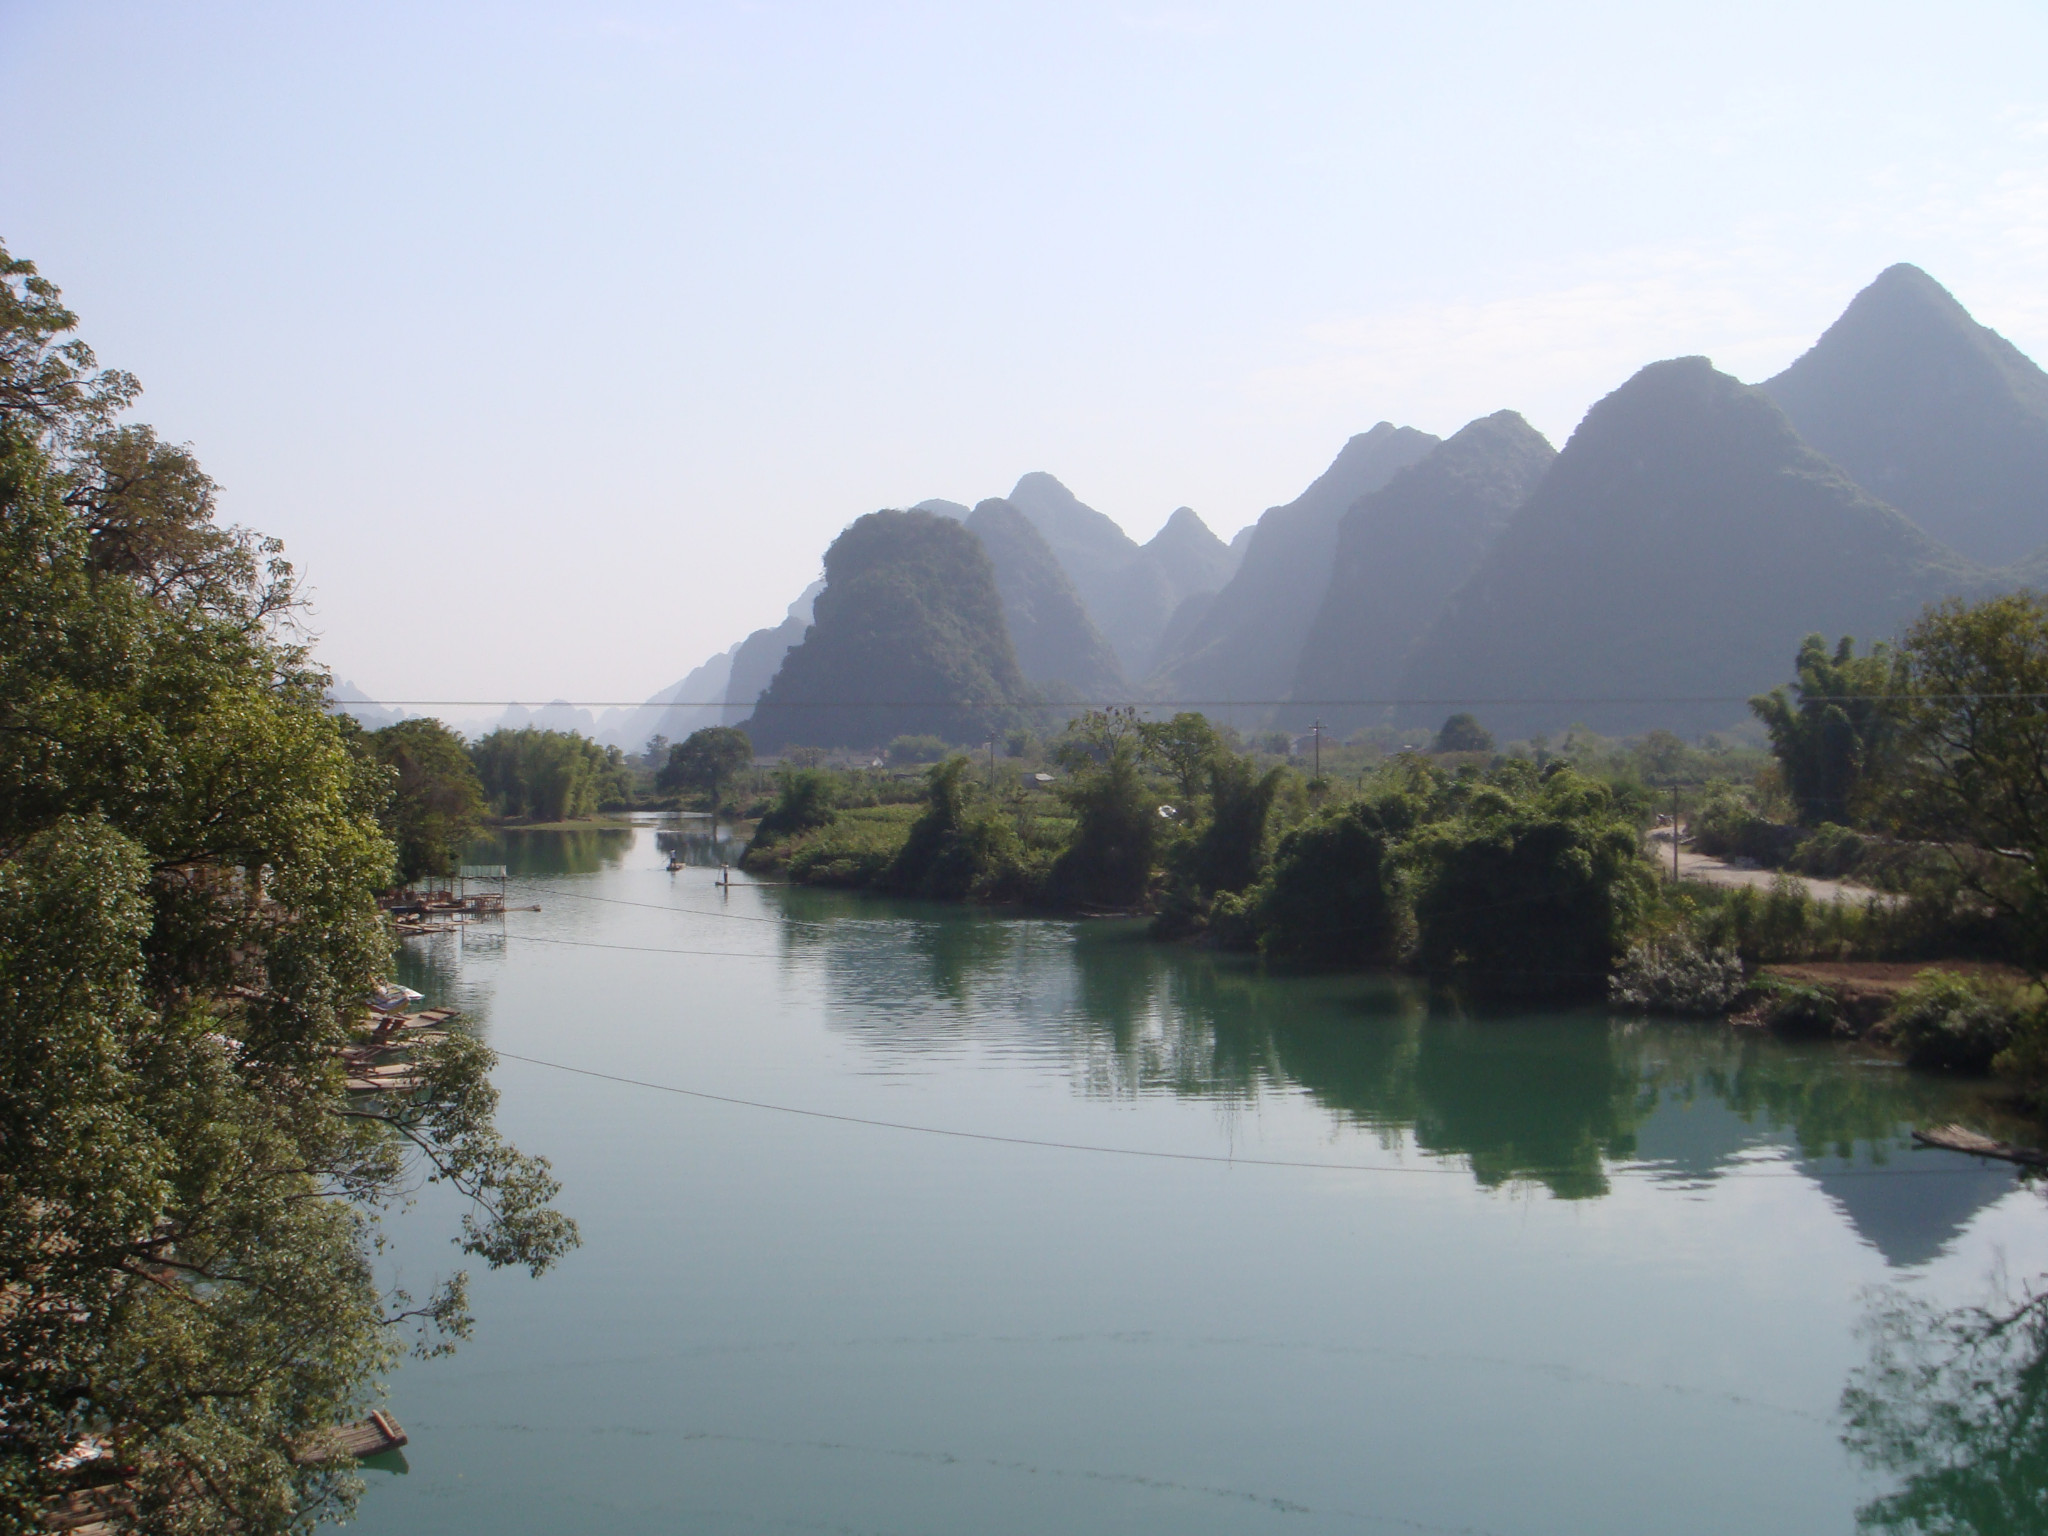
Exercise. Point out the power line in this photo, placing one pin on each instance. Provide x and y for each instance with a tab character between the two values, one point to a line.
1147	703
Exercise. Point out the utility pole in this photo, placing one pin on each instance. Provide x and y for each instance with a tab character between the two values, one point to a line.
991	762
1674	831
1317	731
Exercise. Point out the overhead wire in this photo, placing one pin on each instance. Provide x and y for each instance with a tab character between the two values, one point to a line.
1504	701
1227	1159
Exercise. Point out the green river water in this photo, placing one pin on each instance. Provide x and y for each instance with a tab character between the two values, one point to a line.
1379	1269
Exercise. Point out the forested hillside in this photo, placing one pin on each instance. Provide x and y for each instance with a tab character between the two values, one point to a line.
1680	547
1401	552
907	638
1247	644
1928	410
1059	649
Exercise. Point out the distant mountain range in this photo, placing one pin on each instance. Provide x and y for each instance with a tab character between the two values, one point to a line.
1666	566
1402	552
1657	571
1242	649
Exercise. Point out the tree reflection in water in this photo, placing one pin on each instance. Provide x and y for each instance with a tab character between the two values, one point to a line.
1551	1099
1955	1405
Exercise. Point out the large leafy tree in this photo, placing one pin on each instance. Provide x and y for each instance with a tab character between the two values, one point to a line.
1835	732
1116	814
437	801
707	762
1976	725
188	853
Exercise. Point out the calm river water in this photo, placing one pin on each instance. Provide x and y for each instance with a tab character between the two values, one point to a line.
1380	1270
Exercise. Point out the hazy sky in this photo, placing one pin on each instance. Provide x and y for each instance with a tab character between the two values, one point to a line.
557	342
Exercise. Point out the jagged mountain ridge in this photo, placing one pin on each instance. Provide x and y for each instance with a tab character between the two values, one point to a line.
1930	411
1668	565
1130	589
1246	645
1059	649
1402	551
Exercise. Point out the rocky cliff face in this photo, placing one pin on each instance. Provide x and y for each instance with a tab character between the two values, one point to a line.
1059	649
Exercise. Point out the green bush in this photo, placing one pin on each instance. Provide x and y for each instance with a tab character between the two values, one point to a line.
1953	1023
1530	896
1334	891
1830	852
1795	1008
1108	861
855	851
804	798
963	845
1230	849
1727	825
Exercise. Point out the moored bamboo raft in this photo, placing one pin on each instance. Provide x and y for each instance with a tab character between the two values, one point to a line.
366	1437
1957	1138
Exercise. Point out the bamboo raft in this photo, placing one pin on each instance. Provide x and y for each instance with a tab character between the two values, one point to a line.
92	1511
1956	1138
382	1033
366	1437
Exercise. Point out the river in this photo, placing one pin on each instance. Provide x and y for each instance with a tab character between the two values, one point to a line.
1214	1249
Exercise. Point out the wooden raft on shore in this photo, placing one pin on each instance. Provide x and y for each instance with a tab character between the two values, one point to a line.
1956	1138
384	1032
366	1437
91	1511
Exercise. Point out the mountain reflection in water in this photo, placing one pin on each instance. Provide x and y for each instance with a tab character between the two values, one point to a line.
1555	1099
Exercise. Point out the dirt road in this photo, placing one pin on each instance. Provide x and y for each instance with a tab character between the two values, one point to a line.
1709	870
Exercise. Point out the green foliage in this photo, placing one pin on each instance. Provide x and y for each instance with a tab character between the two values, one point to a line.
1830	852
856	850
706	763
1334	891
1230	850
805	798
547	775
962	845
1953	1023
1184	748
1116	820
1800	1008
1978	730
1462	733
1840	738
1726	824
437	801
189	851
1532	894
